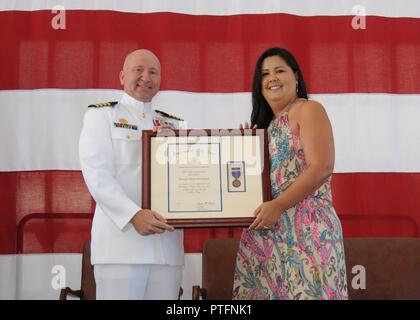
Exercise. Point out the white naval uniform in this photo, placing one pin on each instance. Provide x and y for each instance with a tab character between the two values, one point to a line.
110	158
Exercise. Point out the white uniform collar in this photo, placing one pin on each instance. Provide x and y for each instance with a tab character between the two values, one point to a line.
138	106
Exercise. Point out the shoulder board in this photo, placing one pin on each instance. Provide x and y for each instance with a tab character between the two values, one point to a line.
103	104
167	115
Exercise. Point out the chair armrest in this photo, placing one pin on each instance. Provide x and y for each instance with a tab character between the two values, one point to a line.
198	293
68	291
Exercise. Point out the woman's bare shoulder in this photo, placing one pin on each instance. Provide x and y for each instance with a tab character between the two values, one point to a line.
309	108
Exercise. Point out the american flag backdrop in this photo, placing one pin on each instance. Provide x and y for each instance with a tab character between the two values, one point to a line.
360	59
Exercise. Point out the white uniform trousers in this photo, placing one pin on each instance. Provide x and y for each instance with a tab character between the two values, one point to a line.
137	281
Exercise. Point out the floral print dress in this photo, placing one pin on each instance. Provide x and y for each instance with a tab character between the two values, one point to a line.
302	256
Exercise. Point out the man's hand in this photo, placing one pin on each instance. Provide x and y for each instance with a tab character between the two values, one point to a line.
148	222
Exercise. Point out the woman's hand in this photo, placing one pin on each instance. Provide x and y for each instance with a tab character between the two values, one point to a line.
162	129
266	215
246	125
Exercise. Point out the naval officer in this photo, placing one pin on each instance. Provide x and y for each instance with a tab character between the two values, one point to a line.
135	253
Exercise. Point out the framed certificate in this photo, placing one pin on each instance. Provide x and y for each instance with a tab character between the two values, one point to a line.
205	178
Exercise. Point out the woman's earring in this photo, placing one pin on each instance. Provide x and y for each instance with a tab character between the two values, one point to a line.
297	87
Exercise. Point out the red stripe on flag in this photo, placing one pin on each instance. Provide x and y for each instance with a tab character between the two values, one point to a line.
208	53
378	204
369	204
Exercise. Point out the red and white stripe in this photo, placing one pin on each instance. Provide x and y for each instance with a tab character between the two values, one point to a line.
367	79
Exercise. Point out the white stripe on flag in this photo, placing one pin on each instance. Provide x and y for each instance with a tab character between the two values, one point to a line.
31	276
386	8
373	132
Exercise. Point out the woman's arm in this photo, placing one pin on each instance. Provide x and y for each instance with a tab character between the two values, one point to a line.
317	141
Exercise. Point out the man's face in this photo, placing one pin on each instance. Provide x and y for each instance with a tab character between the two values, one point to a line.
140	76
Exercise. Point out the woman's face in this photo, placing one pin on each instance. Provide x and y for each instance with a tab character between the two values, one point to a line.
278	80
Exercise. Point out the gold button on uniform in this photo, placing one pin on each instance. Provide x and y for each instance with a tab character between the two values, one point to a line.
128	136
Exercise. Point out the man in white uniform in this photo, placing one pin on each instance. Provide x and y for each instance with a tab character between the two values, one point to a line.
135	253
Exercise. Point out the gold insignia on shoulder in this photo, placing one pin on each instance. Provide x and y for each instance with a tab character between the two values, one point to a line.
103	104
167	115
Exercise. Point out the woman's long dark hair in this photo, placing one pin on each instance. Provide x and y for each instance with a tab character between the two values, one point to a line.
261	111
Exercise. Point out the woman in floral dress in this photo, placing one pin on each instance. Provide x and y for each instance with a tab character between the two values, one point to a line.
294	248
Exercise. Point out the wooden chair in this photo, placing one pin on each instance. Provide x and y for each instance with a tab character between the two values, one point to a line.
219	256
391	268
87	289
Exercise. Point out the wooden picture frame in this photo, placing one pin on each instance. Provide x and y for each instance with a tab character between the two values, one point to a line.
184	171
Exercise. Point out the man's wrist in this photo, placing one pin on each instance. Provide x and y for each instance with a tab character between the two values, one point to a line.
135	214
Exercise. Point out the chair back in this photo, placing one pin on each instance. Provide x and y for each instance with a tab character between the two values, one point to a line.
88	284
377	268
219	257
389	268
